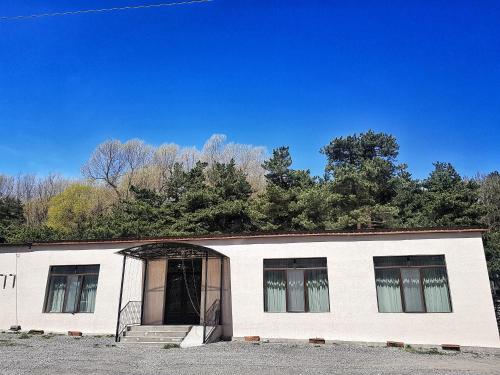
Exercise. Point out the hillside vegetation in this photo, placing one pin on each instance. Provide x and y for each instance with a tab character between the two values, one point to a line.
132	189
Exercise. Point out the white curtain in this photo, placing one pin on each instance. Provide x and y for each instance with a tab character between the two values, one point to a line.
295	280
72	295
317	290
388	290
412	289
436	289
89	290
56	293
275	298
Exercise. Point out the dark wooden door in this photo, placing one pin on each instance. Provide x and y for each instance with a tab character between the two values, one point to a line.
183	292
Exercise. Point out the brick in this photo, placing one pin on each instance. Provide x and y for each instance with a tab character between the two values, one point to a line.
395	344
453	347
252	338
36	332
74	333
316	340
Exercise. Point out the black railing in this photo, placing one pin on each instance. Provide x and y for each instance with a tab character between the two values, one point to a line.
212	320
496	304
129	315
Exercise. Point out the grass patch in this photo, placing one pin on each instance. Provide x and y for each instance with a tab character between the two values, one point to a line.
171	346
411	349
47	336
24	335
7	343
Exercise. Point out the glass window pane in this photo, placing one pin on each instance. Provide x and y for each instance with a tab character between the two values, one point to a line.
87	269
72	295
405	261
89	290
436	294
310	262
62	270
57	289
278	263
389	261
295	280
317	290
274	291
412	290
427	260
388	290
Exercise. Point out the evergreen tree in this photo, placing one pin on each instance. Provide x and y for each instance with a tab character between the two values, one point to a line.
364	173
11	215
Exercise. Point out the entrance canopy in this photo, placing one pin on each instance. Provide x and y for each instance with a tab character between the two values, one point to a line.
170	250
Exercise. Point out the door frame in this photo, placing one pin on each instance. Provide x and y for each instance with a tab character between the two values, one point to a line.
165	299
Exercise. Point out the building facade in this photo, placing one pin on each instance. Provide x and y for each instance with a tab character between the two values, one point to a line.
413	286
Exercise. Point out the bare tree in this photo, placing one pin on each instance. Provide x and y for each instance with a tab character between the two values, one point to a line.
7	186
136	155
188	157
164	160
107	163
213	149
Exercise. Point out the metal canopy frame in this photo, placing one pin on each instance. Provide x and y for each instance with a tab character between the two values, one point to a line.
171	250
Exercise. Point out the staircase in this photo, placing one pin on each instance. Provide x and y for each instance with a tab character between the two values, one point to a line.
158	335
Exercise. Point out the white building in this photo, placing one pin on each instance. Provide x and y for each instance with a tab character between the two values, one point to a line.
412	286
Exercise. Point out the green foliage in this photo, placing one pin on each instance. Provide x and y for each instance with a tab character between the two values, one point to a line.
71	211
365	175
11	215
282	207
449	200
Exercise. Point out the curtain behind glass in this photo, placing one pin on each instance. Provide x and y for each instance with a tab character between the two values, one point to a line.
412	289
72	296
57	289
295	280
436	290
89	289
388	290
274	291
317	290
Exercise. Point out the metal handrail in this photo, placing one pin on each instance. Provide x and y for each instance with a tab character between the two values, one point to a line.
212	319
129	315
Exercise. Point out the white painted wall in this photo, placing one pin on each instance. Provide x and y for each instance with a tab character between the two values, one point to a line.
353	317
354	314
32	275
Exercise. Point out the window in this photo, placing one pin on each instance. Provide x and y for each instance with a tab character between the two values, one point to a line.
296	285
412	284
72	289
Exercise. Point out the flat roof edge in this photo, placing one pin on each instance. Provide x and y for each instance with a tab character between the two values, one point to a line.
257	235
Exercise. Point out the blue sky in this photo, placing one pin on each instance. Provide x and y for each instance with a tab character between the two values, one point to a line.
269	73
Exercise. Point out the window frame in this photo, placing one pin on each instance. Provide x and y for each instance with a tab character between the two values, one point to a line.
284	270
401	290
80	277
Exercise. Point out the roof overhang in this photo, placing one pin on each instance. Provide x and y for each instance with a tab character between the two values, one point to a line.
260	235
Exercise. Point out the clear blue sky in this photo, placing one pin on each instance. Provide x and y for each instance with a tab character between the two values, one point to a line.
270	73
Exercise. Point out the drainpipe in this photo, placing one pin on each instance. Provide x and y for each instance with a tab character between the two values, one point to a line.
120	300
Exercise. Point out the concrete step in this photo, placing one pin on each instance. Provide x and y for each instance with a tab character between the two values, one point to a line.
152	340
181	328
155	333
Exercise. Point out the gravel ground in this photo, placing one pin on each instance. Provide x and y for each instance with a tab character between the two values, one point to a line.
60	355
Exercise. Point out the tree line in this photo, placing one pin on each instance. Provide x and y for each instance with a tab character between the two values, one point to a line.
132	189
